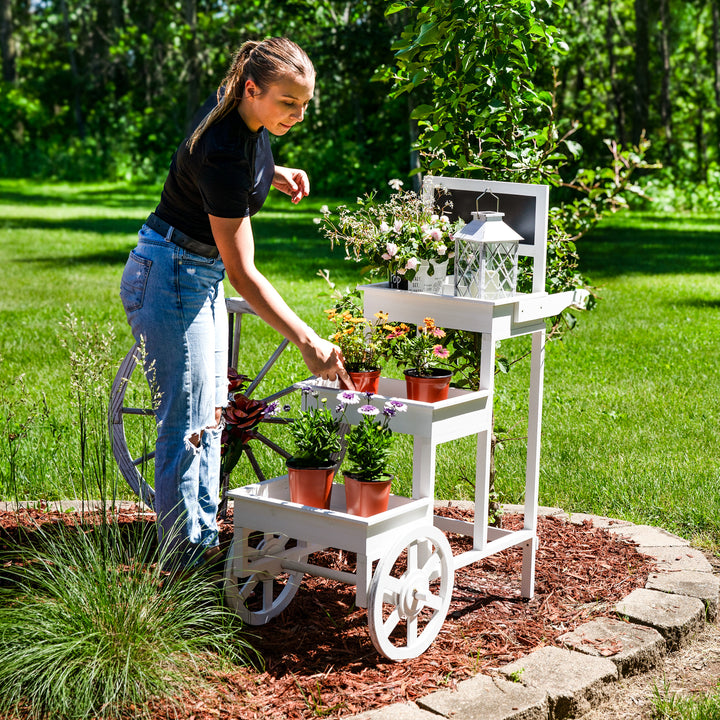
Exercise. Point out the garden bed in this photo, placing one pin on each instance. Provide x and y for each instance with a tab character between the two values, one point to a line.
320	660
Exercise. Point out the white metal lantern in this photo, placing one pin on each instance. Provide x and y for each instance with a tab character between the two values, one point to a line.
486	257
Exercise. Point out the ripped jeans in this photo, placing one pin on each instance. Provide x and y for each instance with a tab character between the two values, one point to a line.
174	301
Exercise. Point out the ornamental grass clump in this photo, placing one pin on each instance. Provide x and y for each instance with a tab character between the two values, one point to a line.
369	443
90	626
394	236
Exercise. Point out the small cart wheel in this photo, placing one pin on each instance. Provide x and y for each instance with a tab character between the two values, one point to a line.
410	594
263	588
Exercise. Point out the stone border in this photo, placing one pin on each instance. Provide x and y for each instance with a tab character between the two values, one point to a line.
562	682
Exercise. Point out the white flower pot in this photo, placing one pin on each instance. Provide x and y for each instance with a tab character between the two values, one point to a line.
422	282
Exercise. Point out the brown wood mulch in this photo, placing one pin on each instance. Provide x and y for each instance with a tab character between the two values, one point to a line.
320	660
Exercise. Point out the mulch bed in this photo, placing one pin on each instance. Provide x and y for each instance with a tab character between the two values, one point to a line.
320	660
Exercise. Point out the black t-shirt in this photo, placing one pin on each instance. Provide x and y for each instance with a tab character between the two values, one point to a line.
228	174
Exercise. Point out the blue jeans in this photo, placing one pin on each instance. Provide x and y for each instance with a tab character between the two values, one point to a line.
175	304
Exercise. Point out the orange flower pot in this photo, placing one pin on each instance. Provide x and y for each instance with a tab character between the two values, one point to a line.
366	497
311	486
366	381
430	388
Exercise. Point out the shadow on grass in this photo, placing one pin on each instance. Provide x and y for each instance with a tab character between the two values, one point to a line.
613	250
113	196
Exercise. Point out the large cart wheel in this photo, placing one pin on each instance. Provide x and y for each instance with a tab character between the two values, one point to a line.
132	424
263	588
410	594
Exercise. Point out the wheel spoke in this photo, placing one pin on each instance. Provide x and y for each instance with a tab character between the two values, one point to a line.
412	557
255	465
431	565
273	446
137	411
144	458
391	591
273	358
391	623
433	601
412	630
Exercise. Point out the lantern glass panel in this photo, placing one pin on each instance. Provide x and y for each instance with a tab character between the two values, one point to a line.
486	269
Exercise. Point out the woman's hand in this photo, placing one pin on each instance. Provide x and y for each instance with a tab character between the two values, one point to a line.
292	182
326	361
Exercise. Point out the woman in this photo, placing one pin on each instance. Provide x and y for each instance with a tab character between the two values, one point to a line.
172	284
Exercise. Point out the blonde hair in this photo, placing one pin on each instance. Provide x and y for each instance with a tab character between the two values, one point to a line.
265	62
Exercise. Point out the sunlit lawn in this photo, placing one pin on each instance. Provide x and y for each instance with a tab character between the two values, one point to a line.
631	397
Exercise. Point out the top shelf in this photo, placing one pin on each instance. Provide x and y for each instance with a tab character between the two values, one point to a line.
518	314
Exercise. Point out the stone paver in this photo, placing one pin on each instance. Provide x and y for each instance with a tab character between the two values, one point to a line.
573	681
674	559
702	585
649	536
397	711
597	520
633	648
676	617
487	698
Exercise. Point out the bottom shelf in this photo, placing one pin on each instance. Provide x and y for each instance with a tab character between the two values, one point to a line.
266	507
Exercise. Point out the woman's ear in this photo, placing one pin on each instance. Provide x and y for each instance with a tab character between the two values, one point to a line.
251	89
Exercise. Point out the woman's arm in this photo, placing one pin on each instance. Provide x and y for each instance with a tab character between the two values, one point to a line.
236	244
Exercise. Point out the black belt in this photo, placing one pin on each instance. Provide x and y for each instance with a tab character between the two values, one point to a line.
180	238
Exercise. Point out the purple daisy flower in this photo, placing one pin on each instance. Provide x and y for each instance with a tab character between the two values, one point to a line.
348	397
368	410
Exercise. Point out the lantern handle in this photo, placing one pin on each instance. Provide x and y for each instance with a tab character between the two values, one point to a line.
482	194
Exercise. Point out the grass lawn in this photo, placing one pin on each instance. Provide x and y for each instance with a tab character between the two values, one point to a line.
631	402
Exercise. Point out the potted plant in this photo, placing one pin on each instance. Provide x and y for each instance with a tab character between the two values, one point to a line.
363	343
316	437
399	238
421	352
368	446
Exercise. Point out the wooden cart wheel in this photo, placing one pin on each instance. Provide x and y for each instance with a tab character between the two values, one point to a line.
132	423
410	594
264	588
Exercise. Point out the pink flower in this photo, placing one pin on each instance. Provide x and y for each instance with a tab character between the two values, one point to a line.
440	351
436	234
442	249
437	332
384	227
391	250
411	264
397	226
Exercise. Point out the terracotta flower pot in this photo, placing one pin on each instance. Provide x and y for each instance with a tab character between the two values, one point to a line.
366	497
366	381
430	388
310	486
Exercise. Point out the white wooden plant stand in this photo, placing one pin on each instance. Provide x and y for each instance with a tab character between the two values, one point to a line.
405	569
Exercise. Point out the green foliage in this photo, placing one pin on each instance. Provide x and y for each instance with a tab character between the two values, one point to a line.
420	349
363	343
672	706
369	444
315	434
474	63
90	626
